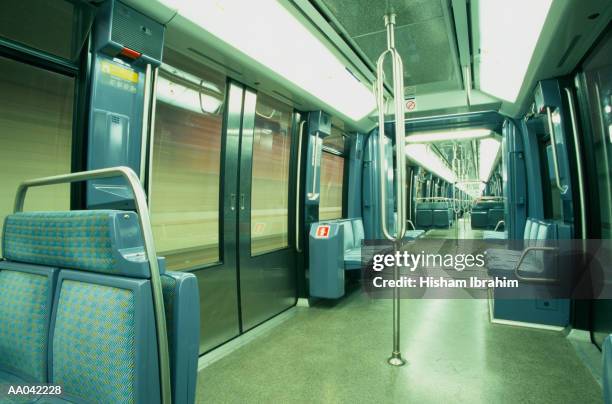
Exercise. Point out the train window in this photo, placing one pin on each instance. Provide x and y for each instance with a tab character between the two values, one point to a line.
186	163
598	77
270	175
47	28
332	179
35	133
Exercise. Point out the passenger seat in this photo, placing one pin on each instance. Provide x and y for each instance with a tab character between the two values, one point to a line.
26	294
95	327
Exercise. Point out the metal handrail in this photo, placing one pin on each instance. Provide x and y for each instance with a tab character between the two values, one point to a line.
298	248
522	258
499	224
315	151
400	132
411	224
553	143
400	141
145	227
579	168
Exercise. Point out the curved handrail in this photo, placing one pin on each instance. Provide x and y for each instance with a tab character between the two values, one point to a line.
579	168
298	247
522	258
553	144
400	133
142	209
499	224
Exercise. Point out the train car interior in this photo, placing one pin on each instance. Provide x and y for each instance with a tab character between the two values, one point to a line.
207	201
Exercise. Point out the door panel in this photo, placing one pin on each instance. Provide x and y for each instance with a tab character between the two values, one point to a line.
219	310
267	273
219	196
594	87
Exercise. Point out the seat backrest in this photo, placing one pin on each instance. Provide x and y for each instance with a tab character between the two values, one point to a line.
26	294
527	231
101	338
349	240
183	323
533	231
423	206
358	232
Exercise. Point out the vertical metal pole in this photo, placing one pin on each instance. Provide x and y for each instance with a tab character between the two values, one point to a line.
400	138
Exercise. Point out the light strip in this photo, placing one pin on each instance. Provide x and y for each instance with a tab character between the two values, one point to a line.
487	154
439	136
422	155
269	34
509	32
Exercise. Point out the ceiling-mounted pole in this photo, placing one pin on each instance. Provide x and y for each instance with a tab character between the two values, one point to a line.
400	169
468	86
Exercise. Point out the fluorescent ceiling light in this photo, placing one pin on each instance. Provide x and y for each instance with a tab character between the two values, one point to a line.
422	155
471	188
509	32
487	154
269	34
439	136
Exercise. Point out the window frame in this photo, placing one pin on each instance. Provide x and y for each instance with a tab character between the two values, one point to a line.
79	70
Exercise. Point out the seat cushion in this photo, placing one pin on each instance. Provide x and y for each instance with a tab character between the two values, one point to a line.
494	235
413	234
352	258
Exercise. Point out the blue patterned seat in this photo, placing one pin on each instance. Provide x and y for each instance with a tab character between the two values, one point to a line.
26	293
99	332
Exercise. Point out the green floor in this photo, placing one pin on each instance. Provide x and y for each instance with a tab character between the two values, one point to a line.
336	353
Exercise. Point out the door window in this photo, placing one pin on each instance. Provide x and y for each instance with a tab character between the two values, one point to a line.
270	175
184	192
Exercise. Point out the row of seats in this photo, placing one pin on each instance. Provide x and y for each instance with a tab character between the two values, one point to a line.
76	310
487	214
354	236
434	214
335	247
537	232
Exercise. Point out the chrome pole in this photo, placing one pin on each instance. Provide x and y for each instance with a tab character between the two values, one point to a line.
400	169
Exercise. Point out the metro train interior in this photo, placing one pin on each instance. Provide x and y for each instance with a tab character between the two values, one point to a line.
195	195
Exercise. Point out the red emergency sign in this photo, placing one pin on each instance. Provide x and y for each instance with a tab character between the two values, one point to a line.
323	231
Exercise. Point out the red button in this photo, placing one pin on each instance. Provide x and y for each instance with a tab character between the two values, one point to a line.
129	53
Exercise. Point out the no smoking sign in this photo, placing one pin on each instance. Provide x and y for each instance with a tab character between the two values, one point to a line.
411	104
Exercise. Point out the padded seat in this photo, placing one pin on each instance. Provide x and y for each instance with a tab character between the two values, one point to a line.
96	335
441	215
26	293
494	235
499	262
424	215
529	234
414	234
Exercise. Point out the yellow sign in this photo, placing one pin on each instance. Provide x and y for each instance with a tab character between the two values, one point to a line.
120	72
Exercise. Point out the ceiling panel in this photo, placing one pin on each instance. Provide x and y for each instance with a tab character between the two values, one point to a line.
422	36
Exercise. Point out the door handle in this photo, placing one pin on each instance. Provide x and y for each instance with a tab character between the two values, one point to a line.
232	201
241	201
